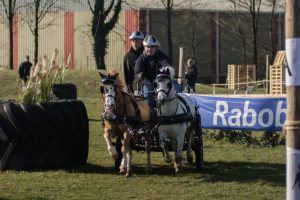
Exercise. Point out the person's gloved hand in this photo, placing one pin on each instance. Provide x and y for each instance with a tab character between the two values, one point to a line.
140	77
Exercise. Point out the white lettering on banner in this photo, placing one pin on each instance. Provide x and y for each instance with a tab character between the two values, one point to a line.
219	113
246	112
279	111
236	117
270	118
265	117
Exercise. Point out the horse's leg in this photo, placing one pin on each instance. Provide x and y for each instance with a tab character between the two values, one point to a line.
110	147
123	165
148	145
189	151
164	146
178	154
126	151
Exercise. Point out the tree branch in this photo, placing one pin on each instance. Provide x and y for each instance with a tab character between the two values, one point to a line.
90	6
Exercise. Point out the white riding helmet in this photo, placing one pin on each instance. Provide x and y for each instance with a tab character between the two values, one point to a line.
136	35
150	40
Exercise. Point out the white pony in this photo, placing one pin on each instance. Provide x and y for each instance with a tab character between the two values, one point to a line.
176	117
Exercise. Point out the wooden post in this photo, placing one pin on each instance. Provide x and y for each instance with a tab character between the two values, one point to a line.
181	67
292	123
267	74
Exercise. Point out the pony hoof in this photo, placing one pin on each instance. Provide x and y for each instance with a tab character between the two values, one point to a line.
178	171
122	171
129	174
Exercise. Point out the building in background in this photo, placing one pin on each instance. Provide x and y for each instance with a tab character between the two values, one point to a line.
205	31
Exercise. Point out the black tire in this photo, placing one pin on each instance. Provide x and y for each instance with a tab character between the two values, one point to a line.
198	144
61	133
80	111
16	153
32	135
50	139
43	136
65	91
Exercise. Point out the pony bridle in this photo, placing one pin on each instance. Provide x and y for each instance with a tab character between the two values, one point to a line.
162	98
109	92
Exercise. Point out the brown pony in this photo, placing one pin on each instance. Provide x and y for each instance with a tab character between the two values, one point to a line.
121	114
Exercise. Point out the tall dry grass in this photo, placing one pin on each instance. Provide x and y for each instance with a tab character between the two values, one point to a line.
43	75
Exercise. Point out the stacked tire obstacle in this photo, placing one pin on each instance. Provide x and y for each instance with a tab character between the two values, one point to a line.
65	91
43	135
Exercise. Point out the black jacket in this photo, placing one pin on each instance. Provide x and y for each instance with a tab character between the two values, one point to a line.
24	70
129	61
150	65
191	75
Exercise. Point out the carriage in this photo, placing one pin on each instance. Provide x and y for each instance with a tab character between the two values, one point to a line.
186	118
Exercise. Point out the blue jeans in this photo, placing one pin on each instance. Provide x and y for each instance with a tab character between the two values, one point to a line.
148	92
176	86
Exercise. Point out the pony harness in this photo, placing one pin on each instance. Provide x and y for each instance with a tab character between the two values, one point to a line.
179	118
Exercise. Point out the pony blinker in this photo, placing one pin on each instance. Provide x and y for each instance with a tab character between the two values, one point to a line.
161	76
106	80
109	79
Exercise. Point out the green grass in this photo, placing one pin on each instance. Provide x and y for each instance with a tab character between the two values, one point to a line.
231	171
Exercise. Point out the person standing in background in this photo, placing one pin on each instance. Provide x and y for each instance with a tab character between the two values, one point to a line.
191	74
24	70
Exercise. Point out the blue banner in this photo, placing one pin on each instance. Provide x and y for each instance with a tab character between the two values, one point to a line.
261	114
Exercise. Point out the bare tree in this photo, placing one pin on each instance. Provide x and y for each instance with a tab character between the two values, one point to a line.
169	4
193	31
37	11
10	8
253	7
101	26
238	24
275	4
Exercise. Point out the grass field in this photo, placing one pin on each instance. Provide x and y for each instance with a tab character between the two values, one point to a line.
231	171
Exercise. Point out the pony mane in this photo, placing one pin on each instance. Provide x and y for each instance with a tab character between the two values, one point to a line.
171	71
118	81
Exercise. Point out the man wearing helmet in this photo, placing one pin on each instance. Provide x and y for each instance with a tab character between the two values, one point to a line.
136	39
148	64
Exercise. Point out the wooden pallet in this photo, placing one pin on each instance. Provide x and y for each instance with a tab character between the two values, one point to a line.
238	76
277	74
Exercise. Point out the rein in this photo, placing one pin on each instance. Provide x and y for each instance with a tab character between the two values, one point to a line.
133	98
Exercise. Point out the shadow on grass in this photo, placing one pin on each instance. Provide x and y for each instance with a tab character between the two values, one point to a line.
94	120
91	169
137	169
244	172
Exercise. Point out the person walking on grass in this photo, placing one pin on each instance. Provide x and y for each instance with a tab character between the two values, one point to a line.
24	71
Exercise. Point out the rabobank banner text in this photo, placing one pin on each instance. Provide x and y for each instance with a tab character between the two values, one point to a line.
262	114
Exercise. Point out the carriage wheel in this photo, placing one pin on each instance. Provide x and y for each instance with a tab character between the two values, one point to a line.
198	145
119	159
